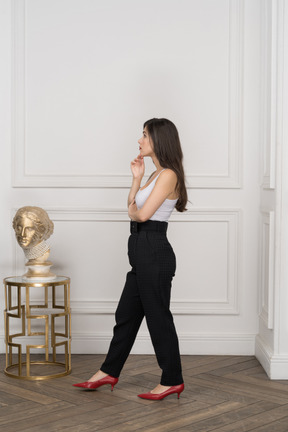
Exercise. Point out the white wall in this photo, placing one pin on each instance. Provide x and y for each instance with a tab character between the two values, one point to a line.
272	340
85	75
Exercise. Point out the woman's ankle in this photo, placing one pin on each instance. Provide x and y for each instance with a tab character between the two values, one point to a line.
97	376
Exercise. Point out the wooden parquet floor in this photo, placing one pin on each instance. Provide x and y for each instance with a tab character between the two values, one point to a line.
222	394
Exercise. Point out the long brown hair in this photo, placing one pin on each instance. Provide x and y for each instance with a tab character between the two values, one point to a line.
167	149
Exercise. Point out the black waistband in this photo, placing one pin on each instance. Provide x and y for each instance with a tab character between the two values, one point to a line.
148	226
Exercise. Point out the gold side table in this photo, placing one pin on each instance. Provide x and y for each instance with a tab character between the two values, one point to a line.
21	311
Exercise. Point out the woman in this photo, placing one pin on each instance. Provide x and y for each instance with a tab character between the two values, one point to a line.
148	284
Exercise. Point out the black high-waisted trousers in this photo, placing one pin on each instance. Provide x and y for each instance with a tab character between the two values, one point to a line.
147	293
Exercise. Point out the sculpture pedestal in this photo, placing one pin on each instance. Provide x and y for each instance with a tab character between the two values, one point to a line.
39	272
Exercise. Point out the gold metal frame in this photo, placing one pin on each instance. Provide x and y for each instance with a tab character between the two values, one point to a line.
24	312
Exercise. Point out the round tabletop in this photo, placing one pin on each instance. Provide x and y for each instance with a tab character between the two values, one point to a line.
20	281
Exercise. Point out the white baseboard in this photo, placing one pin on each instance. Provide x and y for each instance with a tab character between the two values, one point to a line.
190	344
276	366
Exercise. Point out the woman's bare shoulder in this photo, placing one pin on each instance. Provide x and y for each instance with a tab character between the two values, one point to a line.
167	178
168	174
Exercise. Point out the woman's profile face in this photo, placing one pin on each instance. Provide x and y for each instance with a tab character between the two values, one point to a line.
26	232
146	144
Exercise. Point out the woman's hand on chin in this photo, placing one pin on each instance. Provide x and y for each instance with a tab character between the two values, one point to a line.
138	167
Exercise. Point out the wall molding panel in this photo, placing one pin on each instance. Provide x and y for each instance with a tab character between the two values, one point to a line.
267	260
190	343
230	217
269	77
21	177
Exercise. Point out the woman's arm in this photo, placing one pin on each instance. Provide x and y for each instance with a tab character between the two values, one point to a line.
138	170
164	186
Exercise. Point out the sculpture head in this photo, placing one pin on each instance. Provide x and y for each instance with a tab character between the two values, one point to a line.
32	225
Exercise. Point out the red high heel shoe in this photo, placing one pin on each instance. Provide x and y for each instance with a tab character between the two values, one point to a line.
152	396
95	384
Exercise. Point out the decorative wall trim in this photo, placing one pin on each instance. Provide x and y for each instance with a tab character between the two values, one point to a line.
190	343
185	306
231	217
178	307
267	261
276	366
264	354
269	51
22	178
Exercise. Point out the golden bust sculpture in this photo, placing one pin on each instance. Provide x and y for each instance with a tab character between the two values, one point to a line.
32	227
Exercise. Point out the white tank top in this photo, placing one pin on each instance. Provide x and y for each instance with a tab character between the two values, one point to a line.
163	213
